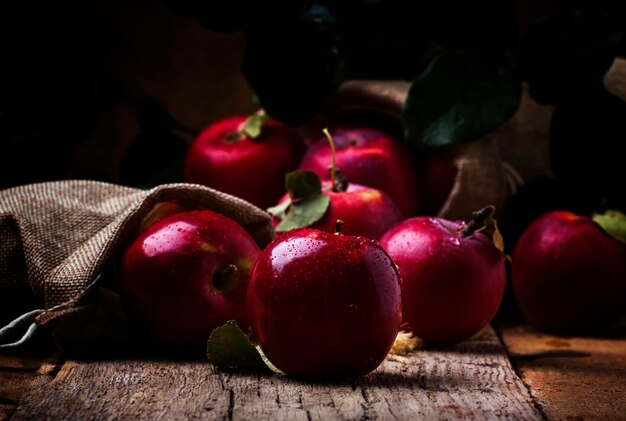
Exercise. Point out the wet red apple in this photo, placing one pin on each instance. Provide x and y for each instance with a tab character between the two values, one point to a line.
185	275
569	274
372	158
453	277
227	158
324	305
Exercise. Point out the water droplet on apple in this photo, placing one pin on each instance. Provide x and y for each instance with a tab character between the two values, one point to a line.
353	308
455	241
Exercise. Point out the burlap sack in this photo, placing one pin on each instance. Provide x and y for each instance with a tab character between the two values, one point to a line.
491	169
488	170
59	238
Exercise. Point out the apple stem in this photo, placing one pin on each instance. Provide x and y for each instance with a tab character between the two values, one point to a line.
221	278
338	225
478	221
333	168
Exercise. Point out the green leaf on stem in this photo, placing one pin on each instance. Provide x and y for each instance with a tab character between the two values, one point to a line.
461	97
613	223
229	347
305	212
253	125
280	210
306	203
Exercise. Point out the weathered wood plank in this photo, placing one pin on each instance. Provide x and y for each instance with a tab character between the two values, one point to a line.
14	385
6	410
472	380
572	377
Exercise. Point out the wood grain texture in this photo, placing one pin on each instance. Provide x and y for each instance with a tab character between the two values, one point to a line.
472	380
572	377
6	410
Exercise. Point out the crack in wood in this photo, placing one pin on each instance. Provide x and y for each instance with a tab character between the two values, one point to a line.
231	403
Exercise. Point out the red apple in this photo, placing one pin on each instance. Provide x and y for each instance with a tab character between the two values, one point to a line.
365	211
324	305
185	275
371	158
569	274
436	174
453	279
226	158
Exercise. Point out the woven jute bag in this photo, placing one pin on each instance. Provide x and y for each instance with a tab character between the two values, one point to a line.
61	237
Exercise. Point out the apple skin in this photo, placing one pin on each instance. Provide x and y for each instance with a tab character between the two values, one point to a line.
252	169
371	158
365	211
167	277
567	274
324	305
451	286
436	174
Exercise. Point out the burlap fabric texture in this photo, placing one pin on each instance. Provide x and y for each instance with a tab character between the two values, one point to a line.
489	169
59	237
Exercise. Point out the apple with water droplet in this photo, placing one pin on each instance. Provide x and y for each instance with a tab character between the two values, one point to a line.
569	274
453	275
372	158
324	305
247	157
185	275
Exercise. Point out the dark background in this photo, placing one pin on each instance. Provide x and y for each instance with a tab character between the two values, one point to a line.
81	82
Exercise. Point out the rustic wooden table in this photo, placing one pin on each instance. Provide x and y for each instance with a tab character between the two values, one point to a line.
517	373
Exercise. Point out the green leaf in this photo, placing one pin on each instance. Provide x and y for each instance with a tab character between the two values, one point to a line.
460	97
304	212
613	223
301	184
229	347
306	205
280	210
253	125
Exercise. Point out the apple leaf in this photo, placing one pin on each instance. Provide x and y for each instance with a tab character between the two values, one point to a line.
301	184
228	347
307	203
304	212
280	210
461	97
253	125
613	223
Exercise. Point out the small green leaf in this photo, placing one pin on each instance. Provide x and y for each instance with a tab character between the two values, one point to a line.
461	97
307	203
280	210
253	125
229	347
613	223
301	184
305	212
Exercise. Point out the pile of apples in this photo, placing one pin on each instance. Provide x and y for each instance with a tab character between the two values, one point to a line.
353	262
